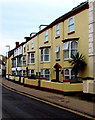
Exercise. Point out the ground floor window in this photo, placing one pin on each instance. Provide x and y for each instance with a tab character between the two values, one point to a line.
23	72
68	74
19	73
31	72
45	73
13	72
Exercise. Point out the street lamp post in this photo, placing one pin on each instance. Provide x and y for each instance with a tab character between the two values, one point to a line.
8	49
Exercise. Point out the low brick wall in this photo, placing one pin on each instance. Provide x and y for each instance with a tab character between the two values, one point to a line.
16	78
22	80
65	87
31	82
55	86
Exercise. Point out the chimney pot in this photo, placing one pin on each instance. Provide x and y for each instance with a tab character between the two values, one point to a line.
17	44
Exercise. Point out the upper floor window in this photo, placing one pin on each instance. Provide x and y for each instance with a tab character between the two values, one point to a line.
13	62
46	36
45	54
57	30
71	24
45	73
57	51
70	48
24	49
27	47
32	43
18	61
31	58
68	74
23	60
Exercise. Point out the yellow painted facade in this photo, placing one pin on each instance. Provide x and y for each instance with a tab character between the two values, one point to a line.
9	65
53	38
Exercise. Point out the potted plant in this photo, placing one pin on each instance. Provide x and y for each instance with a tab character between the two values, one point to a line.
78	63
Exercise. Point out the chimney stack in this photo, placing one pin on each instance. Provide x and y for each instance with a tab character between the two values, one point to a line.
17	44
42	27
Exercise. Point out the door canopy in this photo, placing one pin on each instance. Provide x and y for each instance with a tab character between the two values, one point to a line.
57	65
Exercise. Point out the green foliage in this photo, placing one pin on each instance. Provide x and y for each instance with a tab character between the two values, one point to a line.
78	63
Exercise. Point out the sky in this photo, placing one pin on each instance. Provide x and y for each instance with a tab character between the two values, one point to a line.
18	18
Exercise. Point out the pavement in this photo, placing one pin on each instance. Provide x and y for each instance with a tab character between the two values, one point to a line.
74	103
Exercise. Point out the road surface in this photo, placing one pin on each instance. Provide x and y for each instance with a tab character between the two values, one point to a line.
17	106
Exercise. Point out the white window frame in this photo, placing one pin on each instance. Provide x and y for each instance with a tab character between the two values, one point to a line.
14	73
71	24
13	63
43	55
69	75
65	46
30	72
46	36
57	51
31	58
44	75
23	60
22	72
69	49
57	30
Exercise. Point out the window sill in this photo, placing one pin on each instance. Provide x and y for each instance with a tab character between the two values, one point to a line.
71	32
45	42
57	37
57	59
67	59
31	63
23	66
44	61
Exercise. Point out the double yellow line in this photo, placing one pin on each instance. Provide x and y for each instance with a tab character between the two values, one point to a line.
44	101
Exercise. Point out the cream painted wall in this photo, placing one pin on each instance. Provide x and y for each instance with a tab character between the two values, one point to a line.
81	31
9	65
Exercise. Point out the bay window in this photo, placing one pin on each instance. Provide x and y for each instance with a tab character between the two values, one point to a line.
31	58
70	48
45	73
68	74
45	54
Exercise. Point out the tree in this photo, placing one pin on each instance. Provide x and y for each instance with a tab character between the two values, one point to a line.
78	63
